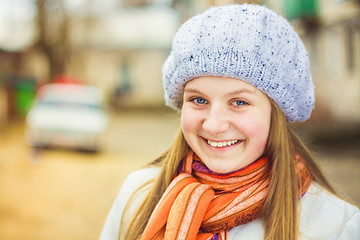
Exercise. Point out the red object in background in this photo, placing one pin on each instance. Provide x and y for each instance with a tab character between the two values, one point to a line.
67	79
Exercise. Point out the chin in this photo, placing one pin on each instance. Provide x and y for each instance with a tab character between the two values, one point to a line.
220	169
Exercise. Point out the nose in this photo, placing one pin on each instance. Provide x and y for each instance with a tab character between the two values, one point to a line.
216	120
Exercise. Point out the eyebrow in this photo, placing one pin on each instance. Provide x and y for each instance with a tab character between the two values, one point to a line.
192	90
243	90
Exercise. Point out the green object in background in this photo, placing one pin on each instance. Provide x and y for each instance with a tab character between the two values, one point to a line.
301	8
310	8
25	92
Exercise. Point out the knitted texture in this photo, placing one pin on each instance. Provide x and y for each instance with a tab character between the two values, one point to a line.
201	204
247	42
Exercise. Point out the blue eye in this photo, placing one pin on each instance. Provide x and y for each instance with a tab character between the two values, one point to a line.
199	100
239	103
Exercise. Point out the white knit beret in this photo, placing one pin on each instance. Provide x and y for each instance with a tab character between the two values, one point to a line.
247	42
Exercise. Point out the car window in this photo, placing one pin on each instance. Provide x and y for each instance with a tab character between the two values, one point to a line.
79	97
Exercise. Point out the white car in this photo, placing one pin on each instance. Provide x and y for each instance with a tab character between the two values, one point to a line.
67	116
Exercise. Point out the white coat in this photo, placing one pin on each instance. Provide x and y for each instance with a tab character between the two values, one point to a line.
322	215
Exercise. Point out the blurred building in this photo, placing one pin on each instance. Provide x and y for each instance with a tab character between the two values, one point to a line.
334	49
122	50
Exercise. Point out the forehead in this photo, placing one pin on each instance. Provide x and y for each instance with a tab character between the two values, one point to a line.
218	84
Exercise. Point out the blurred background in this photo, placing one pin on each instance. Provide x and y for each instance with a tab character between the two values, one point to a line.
81	102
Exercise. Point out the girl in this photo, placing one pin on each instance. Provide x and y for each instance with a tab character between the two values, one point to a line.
239	74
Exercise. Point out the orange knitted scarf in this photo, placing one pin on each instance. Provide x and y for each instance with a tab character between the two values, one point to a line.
201	204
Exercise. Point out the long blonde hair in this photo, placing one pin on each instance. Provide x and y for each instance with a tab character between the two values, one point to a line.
280	206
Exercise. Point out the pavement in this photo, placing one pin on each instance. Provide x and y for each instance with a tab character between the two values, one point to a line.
61	194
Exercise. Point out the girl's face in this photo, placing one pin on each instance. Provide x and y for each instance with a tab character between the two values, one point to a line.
225	121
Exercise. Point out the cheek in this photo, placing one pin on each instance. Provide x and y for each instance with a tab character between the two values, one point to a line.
257	131
261	144
189	120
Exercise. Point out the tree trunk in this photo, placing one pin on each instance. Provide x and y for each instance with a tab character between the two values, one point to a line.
52	23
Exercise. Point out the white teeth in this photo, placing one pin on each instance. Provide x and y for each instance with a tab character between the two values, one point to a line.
221	144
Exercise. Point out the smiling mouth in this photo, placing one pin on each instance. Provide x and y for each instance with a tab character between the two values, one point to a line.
222	144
